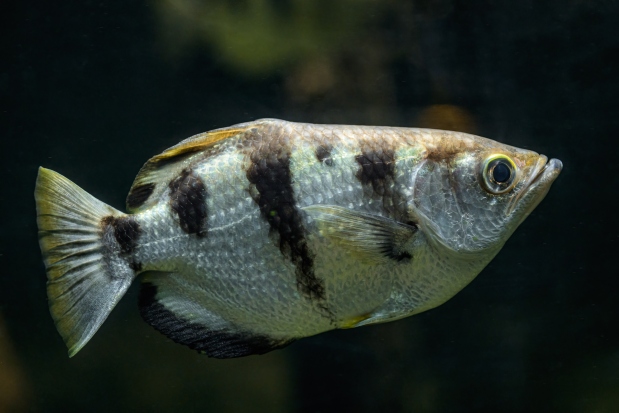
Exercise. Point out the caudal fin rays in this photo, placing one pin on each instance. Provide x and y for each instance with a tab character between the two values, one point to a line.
82	289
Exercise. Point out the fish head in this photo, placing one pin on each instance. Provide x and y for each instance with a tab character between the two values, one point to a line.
471	193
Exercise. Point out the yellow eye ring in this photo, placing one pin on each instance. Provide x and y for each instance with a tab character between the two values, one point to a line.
498	174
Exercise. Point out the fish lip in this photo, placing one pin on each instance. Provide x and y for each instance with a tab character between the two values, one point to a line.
552	167
545	172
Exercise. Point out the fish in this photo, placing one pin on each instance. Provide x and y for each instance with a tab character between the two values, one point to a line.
250	237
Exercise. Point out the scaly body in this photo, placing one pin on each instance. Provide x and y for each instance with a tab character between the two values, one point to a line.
256	235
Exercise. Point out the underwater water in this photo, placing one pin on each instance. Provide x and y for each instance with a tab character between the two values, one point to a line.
93	89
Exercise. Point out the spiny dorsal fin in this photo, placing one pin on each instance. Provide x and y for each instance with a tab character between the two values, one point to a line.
154	176
196	143
370	238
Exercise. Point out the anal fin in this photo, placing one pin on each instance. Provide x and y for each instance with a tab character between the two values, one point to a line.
218	341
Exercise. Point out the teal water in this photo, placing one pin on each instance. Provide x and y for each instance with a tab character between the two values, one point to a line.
93	89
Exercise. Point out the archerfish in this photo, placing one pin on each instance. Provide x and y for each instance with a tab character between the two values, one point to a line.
249	237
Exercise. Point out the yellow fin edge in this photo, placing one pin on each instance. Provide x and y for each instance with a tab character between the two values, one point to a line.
198	142
354	321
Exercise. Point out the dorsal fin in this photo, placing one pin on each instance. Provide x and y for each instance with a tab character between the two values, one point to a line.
154	176
196	143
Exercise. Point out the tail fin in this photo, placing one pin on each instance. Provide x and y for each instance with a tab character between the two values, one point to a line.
86	274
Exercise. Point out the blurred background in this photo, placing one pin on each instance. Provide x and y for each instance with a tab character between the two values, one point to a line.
92	89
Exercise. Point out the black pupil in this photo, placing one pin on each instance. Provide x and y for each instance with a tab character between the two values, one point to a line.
501	173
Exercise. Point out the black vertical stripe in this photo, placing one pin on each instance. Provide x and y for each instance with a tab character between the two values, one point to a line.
127	231
271	188
188	201
377	169
377	174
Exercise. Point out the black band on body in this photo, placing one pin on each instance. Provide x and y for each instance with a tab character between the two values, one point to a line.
188	201
271	188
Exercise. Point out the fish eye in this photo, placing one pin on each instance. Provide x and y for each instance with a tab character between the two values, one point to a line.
498	174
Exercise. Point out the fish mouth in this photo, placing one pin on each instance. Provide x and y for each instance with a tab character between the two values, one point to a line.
538	184
546	169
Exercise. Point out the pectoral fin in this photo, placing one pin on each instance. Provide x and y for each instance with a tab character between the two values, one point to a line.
371	238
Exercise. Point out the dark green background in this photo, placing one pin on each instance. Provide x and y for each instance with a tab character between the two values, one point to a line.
92	89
